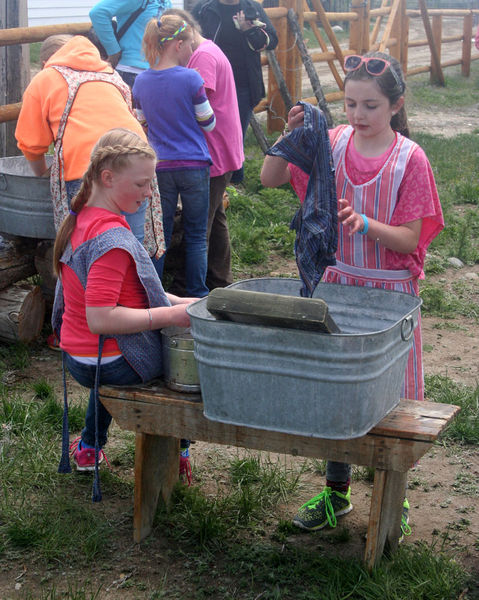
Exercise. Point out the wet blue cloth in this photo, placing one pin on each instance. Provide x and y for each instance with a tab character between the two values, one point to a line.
316	222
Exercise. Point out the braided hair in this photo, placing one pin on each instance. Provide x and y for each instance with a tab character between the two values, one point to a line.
393	87
112	151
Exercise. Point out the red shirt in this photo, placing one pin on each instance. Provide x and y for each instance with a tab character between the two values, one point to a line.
112	281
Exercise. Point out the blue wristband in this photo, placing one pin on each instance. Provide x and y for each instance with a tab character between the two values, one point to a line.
366	225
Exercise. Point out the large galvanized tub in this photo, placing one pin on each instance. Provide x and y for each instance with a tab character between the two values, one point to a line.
25	203
334	386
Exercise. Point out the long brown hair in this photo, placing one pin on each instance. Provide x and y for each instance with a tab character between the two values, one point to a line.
112	151
393	87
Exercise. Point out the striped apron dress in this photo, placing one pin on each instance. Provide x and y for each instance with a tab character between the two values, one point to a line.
362	261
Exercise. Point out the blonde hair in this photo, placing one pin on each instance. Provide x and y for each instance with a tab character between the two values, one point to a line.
160	32
112	151
51	44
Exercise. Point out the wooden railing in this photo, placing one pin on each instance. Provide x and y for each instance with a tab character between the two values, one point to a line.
385	28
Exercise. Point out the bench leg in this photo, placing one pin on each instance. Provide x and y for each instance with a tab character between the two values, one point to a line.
156	472
385	516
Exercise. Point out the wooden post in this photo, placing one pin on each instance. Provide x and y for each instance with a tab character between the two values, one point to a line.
377	24
258	132
278	75
289	64
437	34
309	65
318	7
14	71
359	31
391	26
466	45
324	48
437	76
404	38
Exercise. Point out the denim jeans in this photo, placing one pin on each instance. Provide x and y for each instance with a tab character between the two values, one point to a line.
193	185
338	471
136	220
128	78
117	372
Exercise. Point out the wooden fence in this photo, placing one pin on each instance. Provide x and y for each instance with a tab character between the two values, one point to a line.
385	28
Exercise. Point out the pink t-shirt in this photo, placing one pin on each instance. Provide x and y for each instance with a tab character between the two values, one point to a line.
225	141
417	198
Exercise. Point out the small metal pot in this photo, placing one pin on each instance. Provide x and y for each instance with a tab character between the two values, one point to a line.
179	363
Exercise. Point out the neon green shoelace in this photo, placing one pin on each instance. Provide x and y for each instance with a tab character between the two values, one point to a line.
324	496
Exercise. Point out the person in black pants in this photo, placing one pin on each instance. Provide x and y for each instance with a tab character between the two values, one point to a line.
241	29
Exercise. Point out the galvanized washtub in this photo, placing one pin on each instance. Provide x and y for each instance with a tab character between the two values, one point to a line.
335	386
25	203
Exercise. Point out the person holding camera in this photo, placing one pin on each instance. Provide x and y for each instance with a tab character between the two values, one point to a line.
120	25
241	29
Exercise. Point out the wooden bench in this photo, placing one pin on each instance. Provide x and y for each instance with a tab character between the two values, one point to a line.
160	417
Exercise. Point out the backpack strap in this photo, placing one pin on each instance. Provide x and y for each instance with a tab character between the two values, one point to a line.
131	19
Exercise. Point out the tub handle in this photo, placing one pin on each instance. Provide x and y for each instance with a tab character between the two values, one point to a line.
408	322
3	182
174	343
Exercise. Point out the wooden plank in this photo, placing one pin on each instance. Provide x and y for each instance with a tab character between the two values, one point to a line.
156	473
385	514
14	71
318	7
308	63
170	417
410	418
283	88
389	26
324	48
384	10
259	134
466	45
10	112
437	76
28	35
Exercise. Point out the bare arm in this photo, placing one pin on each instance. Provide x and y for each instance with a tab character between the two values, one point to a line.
403	238
117	320
275	170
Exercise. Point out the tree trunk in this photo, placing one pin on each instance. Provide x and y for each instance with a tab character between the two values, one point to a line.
22	312
44	266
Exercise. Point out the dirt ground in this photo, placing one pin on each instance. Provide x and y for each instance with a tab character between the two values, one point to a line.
444	488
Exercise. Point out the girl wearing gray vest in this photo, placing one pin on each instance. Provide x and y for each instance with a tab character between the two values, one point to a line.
109	304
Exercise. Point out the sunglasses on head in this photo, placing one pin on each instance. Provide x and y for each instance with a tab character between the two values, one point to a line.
375	66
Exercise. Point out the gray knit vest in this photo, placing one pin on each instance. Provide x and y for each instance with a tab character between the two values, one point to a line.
141	350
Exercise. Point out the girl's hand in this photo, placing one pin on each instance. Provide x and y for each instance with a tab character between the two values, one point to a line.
179	300
179	316
348	217
295	117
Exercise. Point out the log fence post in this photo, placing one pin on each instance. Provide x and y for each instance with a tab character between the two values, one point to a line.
466	45
14	71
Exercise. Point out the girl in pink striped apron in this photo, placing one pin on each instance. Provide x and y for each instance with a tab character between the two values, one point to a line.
389	212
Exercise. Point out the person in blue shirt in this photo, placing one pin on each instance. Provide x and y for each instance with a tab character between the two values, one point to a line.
126	54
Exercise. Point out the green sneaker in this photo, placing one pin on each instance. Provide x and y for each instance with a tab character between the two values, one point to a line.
323	509
405	529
